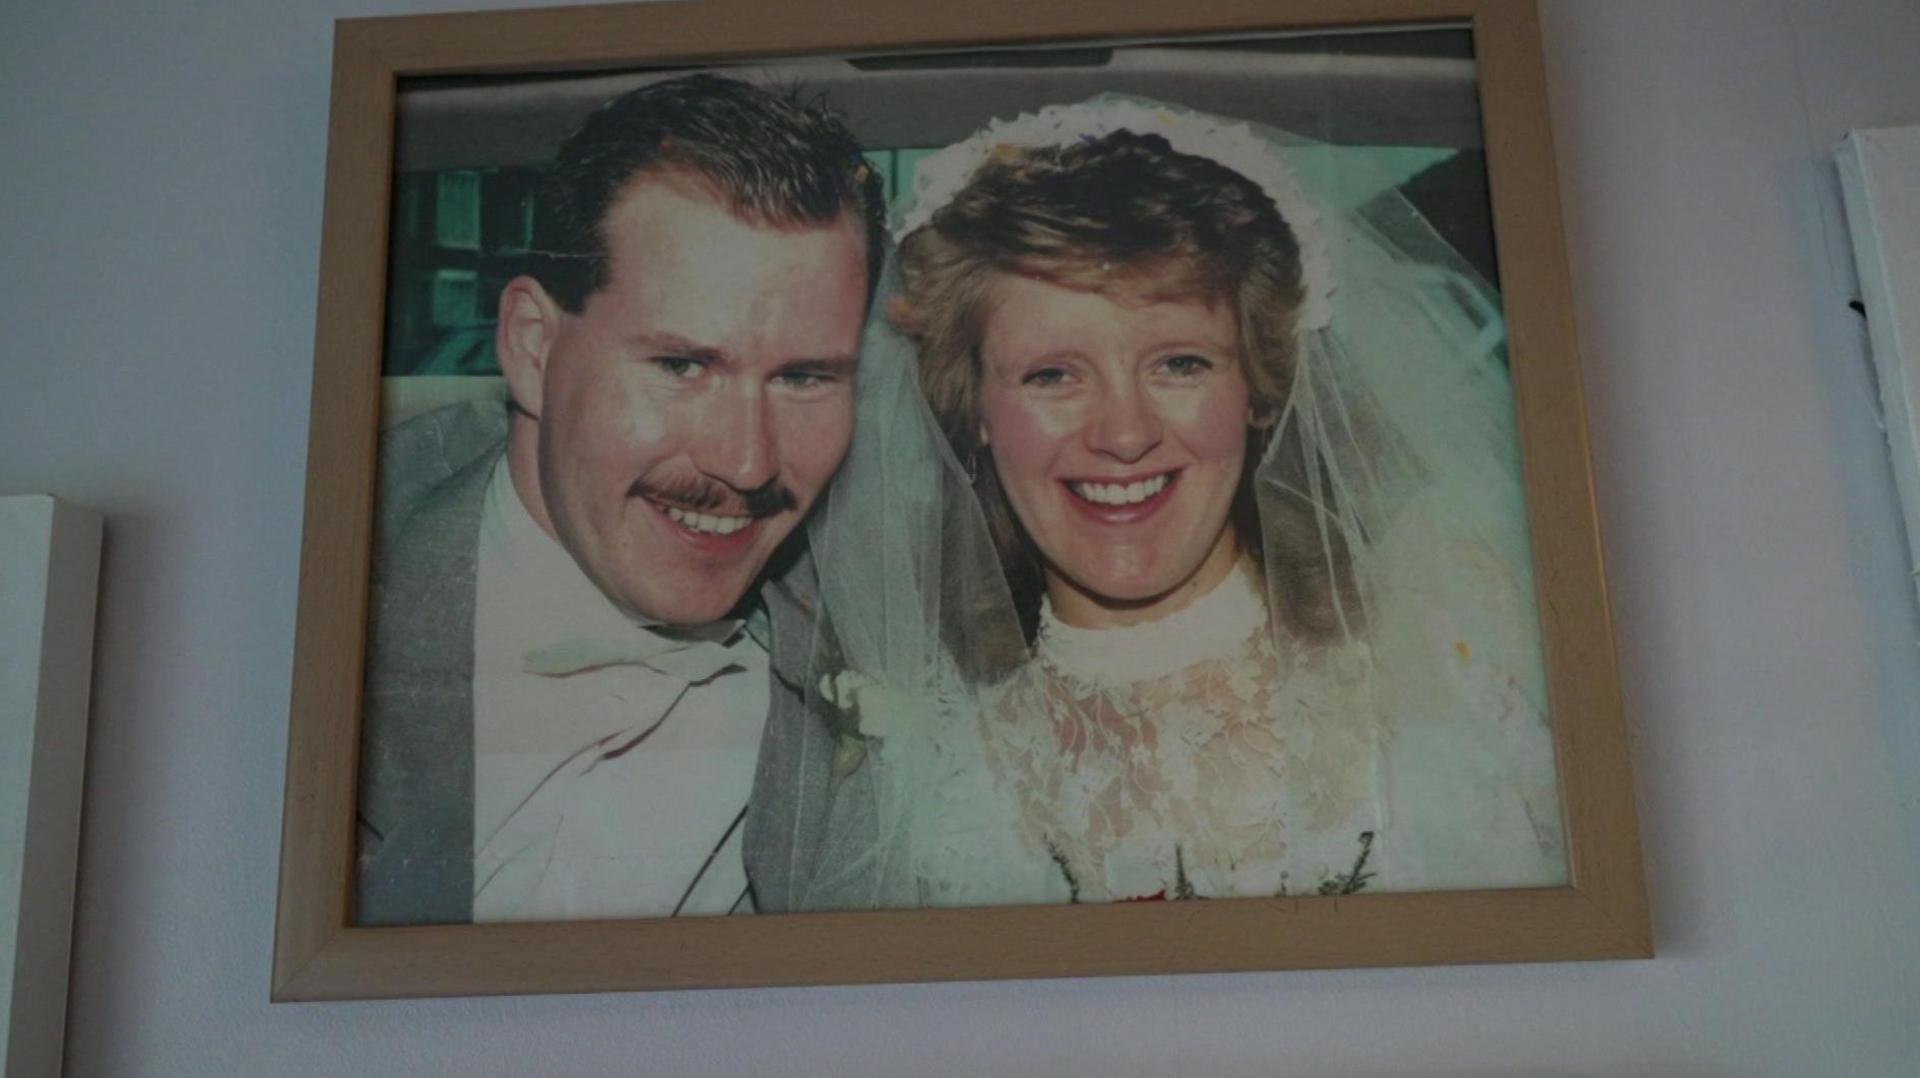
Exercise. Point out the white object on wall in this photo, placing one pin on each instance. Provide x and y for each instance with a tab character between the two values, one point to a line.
49	571
1880	181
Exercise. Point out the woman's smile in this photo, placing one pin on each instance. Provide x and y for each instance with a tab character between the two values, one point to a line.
1119	502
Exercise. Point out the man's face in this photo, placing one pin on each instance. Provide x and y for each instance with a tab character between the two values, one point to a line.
693	410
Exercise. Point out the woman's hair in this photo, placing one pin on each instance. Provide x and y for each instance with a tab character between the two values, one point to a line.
1123	215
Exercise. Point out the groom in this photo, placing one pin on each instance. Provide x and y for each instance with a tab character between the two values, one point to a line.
577	597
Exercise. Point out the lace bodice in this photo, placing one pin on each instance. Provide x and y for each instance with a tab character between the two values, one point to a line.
1194	756
1207	756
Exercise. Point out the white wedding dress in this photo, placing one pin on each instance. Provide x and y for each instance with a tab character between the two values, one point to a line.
1192	756
1205	756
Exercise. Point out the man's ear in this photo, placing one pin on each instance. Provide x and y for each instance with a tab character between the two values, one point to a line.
529	324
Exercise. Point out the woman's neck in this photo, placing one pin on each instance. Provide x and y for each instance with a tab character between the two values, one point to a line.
1082	609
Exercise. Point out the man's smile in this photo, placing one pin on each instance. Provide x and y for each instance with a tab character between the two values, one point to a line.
712	523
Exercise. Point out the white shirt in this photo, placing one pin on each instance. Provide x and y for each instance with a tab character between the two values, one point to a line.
612	760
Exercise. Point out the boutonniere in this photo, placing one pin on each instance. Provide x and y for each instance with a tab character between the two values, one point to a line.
869	712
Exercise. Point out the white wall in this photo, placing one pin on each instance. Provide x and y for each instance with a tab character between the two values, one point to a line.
160	202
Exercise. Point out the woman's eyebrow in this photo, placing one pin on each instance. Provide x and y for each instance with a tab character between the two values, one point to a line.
1209	343
1049	355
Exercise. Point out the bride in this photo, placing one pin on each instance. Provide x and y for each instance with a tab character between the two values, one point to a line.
1213	581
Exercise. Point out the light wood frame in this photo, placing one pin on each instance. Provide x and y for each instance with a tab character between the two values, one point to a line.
319	954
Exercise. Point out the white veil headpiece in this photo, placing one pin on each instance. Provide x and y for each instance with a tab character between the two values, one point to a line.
1396	449
941	176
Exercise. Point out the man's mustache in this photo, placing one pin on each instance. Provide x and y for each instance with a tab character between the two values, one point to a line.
701	496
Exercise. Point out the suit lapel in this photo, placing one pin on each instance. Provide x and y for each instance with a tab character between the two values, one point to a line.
417	738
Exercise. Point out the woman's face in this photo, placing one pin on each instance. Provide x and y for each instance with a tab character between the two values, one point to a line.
1119	433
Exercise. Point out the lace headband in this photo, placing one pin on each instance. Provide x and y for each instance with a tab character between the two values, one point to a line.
939	177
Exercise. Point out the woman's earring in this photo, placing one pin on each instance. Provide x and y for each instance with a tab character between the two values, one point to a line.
973	467
1260	417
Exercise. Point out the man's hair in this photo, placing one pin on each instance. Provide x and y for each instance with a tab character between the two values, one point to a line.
771	159
1129	217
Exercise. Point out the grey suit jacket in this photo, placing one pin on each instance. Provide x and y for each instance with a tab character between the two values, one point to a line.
416	749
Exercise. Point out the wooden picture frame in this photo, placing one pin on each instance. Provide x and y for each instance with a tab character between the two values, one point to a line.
319	953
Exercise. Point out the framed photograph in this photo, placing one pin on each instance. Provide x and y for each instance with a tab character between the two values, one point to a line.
811	494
